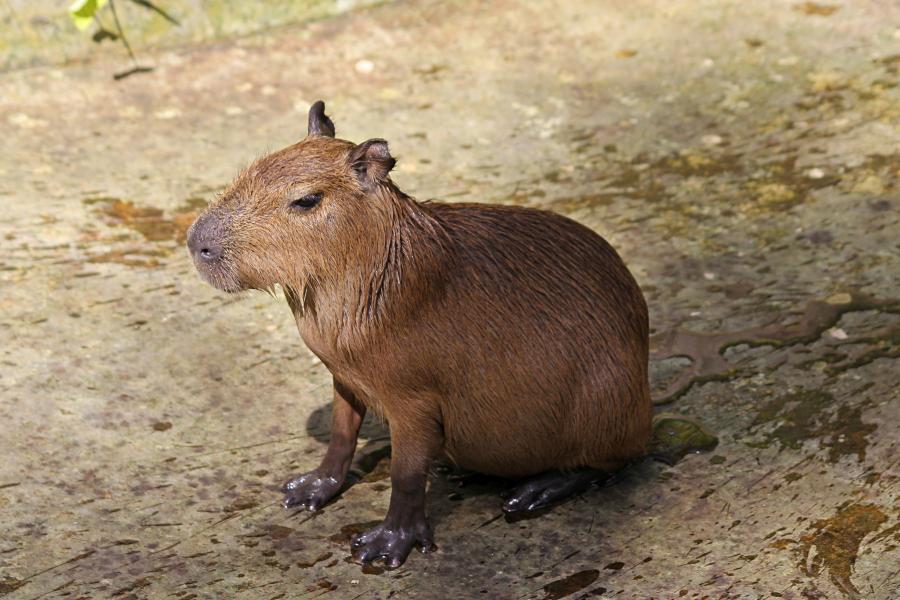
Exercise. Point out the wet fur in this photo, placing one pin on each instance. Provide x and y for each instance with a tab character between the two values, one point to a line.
512	340
519	332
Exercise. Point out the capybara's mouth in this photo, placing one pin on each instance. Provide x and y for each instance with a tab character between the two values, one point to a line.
219	276
231	287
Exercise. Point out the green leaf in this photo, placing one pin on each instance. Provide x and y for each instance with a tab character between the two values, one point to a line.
83	11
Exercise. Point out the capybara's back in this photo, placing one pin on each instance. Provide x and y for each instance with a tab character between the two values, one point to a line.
538	341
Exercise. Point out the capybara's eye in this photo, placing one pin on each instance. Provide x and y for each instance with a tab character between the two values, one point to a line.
307	201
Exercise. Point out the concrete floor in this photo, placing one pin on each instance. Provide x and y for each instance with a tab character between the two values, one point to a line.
741	155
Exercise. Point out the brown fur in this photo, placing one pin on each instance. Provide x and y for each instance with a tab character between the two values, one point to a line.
509	339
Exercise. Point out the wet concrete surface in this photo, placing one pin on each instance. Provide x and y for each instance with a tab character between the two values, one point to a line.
742	157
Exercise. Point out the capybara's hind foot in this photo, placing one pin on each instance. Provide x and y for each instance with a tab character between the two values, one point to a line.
549	488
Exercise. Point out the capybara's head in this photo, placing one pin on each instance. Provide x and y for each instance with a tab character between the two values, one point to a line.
294	213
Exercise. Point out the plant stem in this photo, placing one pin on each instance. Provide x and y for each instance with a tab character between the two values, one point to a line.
112	6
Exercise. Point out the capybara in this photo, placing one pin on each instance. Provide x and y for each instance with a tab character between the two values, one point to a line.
510	341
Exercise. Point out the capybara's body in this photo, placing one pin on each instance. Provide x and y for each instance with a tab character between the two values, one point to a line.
525	340
509	340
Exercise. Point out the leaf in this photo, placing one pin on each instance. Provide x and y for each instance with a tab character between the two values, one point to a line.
82	12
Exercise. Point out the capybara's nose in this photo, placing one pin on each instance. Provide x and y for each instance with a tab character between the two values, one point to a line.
209	252
202	241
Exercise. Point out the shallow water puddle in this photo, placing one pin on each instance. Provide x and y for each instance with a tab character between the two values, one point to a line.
348	531
571	584
705	350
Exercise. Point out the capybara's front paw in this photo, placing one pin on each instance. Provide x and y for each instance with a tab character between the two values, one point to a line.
311	490
392	543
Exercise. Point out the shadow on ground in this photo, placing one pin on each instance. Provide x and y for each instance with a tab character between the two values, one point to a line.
741	156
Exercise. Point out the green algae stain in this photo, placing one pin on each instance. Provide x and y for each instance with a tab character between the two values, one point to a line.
699	164
796	416
10	584
676	436
782	185
849	435
810	415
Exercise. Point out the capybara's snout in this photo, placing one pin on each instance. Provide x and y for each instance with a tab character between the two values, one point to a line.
204	240
207	241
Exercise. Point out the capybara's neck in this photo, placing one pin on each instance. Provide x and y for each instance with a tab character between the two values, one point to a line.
398	260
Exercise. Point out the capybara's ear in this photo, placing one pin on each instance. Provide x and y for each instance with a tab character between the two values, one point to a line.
372	161
319	123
